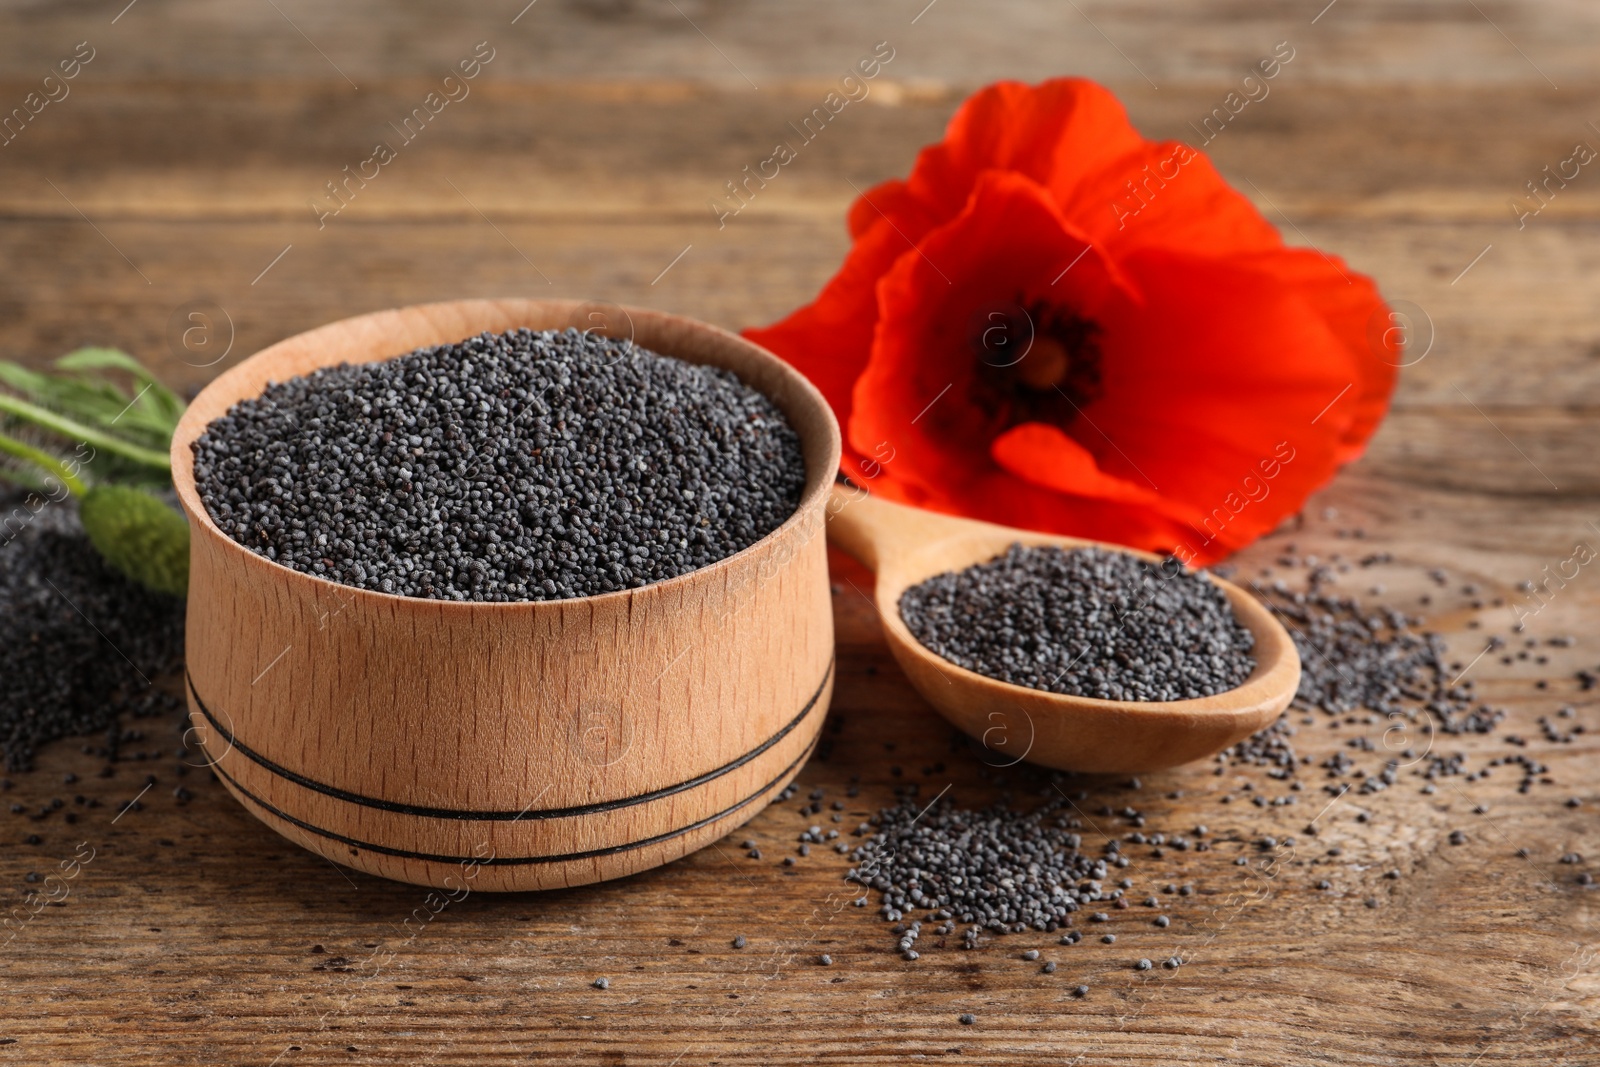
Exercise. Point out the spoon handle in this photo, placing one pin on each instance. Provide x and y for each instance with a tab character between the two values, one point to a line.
874	530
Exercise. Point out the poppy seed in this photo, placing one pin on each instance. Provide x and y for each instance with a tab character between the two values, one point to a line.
62	612
1084	622
505	467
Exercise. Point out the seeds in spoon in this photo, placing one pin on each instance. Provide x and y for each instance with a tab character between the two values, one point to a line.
1084	622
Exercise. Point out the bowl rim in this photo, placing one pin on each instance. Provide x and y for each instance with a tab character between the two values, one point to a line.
813	498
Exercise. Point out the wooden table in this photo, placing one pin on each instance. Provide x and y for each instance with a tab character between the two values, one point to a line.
177	177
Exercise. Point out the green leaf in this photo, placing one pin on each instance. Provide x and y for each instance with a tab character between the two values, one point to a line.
45	419
99	358
30	383
97	404
52	466
20	475
139	535
161	402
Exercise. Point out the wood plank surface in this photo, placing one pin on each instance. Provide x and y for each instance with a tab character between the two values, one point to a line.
181	165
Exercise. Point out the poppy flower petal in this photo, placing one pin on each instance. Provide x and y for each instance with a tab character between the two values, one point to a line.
1165	195
942	316
830	339
1352	308
1074	137
1262	374
1047	457
1048	132
1055	324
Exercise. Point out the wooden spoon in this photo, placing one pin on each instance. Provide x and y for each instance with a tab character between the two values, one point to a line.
905	546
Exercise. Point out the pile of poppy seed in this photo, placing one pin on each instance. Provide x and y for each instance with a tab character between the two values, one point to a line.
1084	622
996	869
84	645
1376	675
517	466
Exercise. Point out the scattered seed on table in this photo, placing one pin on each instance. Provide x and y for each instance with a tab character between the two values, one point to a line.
825	959
739	942
602	983
1049	968
1031	955
1173	963
1163	922
1109	939
966	1018
1142	965
1081	991
505	467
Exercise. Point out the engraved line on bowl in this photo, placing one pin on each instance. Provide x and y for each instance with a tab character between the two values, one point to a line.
512	861
506	816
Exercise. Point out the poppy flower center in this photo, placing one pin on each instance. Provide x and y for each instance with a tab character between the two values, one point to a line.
1037	363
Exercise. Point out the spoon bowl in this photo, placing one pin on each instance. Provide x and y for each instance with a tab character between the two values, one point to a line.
905	546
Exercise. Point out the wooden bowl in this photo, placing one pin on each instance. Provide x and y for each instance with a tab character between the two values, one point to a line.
510	746
906	546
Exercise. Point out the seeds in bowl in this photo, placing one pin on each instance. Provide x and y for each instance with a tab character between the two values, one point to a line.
1084	622
517	466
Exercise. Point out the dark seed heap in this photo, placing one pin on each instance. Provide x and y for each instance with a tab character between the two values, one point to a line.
1379	692
83	644
1084	622
1355	658
996	869
518	466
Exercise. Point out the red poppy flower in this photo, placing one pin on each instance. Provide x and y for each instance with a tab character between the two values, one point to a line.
1056	324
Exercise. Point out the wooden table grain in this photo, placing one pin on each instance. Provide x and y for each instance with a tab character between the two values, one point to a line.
178	177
